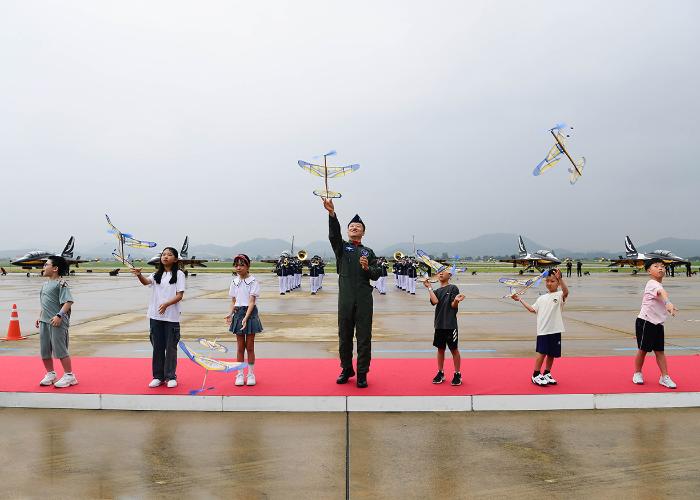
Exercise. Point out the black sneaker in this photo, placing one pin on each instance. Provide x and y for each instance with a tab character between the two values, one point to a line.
457	379
439	378
345	375
361	380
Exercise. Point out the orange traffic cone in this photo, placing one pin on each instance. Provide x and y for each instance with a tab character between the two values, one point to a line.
13	331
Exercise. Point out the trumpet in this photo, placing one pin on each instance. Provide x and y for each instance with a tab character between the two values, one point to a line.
302	254
398	255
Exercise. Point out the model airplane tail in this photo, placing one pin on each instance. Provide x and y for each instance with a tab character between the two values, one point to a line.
576	170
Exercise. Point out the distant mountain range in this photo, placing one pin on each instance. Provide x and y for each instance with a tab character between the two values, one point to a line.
496	244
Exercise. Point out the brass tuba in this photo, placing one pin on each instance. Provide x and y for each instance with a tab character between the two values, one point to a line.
302	254
398	255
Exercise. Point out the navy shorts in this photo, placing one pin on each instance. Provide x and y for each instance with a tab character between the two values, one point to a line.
549	344
446	337
650	337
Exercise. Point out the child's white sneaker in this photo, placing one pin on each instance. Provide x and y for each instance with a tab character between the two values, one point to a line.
666	381
550	380
251	379
66	380
172	383
48	379
539	380
154	383
638	378
240	379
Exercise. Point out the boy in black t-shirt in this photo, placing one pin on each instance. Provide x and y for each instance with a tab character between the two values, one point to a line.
446	299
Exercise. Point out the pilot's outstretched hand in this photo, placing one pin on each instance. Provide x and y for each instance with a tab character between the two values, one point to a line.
328	205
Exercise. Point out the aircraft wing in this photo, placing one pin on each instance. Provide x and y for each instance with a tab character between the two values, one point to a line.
193	262
528	263
31	264
632	262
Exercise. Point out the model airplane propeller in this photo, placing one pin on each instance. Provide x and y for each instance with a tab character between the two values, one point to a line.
327	171
555	154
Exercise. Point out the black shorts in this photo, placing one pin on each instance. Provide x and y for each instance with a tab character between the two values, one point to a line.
446	337
549	344
650	337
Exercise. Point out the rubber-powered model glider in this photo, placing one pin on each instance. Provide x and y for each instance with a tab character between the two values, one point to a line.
327	171
558	151
519	287
433	264
209	364
125	239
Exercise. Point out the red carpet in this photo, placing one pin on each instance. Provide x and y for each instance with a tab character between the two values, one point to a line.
389	377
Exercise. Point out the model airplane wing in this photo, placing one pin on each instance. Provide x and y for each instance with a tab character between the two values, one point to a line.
333	171
209	363
550	160
524	284
425	258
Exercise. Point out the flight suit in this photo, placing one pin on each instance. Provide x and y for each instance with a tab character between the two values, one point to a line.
354	297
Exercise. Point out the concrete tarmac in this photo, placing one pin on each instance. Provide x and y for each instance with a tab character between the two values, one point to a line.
584	454
646	454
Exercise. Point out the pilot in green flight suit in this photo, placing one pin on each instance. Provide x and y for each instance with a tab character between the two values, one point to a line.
356	266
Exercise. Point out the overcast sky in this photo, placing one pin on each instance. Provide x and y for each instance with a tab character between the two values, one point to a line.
189	117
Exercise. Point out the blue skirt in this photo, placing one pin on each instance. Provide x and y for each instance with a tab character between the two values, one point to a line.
253	325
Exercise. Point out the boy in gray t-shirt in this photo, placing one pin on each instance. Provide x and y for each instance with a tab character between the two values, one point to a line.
56	301
446	300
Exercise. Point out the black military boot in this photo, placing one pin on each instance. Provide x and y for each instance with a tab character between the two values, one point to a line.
361	380
345	375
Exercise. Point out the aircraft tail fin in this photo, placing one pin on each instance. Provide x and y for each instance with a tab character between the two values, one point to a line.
629	246
185	248
68	251
521	246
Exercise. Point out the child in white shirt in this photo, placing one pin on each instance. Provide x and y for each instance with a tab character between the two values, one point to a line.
550	325
243	317
167	288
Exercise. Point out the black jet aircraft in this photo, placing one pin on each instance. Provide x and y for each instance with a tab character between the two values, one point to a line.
540	260
184	257
37	258
635	259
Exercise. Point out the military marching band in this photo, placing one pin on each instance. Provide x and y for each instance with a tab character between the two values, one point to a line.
290	268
